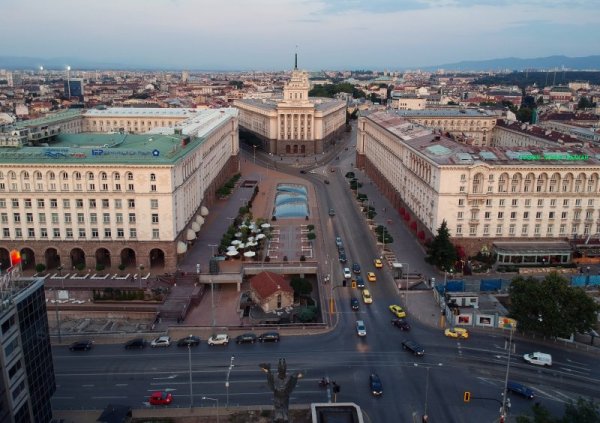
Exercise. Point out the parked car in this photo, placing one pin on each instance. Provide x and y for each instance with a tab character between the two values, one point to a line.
303	171
360	282
218	339
413	347
161	341
326	181
161	398
135	343
457	333
245	338
361	329
347	274
401	324
520	389
331	212
356	268
189	341
371	277
397	310
375	384
338	241
269	337
539	358
367	299
378	263
84	345
343	258
354	303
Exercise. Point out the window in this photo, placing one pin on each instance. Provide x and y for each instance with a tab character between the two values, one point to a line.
4	217
563	215
487	215
80	218
28	203
79	203
562	229
525	215
154	217
155	233
574	229
81	233
67	217
54	218
458	229
131	203
17	217
69	233
589	214
107	233
537	229
118	204
524	230
514	202
5	232
578	202
486	229
565	203
132	233
549	230
502	203
153	204
153	177
500	215
15	203
553	202
18	233
130	187
105	203
40	203
488	202
474	215
591	202
473	230
153	188
55	233
513	215
120	233
94	232
461	202
538	215
93	218
511	229
66	203
577	215
92	203
131	217
3	203
459	216
540	203
53	203
498	229
551	215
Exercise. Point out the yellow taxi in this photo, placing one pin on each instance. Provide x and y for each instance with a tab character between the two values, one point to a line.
397	310
378	263
371	277
367	299
457	333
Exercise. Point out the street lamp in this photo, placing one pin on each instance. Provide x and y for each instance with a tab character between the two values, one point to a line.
190	369
504	393
57	315
227	381
217	401
141	267
60	268
407	270
212	303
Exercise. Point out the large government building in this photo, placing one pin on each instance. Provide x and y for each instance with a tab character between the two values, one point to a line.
516	199
113	186
294	125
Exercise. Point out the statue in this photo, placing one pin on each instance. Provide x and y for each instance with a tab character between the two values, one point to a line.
282	387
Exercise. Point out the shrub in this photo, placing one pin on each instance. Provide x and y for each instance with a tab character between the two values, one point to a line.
80	266
311	227
311	236
273	219
40	267
122	267
100	267
307	314
302	257
267	259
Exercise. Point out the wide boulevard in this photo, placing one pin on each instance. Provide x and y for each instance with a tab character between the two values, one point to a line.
433	384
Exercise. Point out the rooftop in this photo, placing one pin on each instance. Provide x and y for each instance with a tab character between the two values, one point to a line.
444	113
142	112
49	119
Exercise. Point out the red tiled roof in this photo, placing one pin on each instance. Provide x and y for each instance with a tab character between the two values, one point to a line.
266	284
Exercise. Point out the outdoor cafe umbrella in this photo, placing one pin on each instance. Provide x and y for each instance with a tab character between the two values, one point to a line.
236	242
265	225
231	248
238	234
260	236
249	254
241	245
251	244
232	253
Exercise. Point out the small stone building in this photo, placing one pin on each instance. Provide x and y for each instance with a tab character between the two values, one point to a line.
271	291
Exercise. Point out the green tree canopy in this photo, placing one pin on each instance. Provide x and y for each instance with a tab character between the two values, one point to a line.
551	307
440	251
582	411
584	103
301	286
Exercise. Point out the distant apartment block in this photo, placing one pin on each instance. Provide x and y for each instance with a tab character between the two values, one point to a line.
27	373
74	87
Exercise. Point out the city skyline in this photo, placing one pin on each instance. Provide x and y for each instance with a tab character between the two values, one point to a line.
328	34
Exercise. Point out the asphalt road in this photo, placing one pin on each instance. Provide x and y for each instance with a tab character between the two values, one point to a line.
412	386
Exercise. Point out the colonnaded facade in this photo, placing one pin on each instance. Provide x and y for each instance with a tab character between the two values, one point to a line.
86	199
508	198
294	125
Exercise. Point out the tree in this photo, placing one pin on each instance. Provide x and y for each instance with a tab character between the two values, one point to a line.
540	415
301	286
307	314
440	251
550	306
583	411
584	103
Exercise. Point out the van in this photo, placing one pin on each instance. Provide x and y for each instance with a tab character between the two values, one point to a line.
539	358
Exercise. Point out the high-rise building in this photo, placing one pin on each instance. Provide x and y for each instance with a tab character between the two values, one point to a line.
74	88
27	374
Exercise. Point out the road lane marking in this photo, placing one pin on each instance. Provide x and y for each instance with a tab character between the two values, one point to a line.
62	398
87	386
121	384
549	395
168	377
111	397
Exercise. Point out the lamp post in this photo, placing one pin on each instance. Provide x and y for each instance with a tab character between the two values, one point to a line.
227	381
217	401
190	370
504	392
62	280
141	267
254	152
57	315
212	303
69	81
406	294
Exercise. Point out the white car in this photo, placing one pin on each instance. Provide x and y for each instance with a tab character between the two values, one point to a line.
539	358
218	339
161	341
347	273
361	329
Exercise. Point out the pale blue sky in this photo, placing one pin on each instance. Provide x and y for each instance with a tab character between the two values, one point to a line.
330	34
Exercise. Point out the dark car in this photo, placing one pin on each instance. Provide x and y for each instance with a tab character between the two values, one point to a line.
356	268
189	341
84	345
343	258
354	303
360	282
520	389
269	337
326	181
375	384
331	212
135	343
303	171
413	347
246	338
401	324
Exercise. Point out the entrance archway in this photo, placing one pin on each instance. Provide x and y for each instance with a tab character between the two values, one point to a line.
128	258
51	258
157	258
4	259
288	149
77	257
103	257
27	259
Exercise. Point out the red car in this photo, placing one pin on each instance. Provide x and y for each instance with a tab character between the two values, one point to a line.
161	398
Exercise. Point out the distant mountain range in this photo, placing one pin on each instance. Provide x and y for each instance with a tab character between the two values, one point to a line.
510	63
515	63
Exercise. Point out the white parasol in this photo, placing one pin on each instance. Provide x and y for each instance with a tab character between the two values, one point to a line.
236	242
232	253
231	248
265	225
260	236
249	254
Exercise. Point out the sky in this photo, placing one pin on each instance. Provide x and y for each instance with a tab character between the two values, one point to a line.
327	34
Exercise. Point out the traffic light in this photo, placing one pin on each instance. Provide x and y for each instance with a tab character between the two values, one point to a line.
467	396
15	257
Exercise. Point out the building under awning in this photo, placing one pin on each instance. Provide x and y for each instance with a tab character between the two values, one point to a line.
533	252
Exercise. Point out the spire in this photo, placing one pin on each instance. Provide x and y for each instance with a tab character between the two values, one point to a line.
296	61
